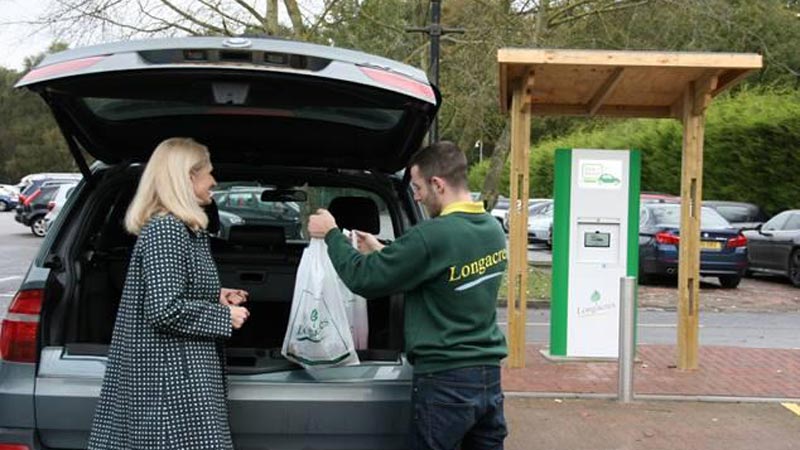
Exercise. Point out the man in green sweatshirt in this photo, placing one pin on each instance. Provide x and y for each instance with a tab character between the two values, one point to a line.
450	269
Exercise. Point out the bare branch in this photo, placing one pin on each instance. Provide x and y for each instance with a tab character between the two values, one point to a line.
295	15
574	18
329	5
192	19
261	19
415	52
223	14
381	23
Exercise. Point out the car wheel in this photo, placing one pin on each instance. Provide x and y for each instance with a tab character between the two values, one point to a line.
38	227
3	205
730	281
794	267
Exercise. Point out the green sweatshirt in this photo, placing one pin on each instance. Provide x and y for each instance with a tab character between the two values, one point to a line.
450	269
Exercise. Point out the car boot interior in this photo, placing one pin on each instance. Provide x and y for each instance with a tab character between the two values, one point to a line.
261	258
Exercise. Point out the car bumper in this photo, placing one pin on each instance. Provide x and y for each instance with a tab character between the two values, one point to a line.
538	235
715	265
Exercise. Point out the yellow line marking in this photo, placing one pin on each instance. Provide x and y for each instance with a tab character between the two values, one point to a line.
793	407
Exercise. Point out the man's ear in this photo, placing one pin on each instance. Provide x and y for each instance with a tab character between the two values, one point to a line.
438	184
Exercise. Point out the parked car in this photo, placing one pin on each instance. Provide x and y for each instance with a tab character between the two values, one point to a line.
723	248
54	206
33	211
740	215
532	203
540	223
9	197
31	183
658	197
774	248
246	206
276	114
500	210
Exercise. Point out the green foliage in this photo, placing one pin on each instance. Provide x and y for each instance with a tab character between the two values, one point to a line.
30	140
751	150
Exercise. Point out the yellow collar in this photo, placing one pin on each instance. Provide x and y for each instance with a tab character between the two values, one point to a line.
464	207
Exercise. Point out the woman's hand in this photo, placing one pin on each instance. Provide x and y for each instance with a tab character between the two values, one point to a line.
232	297
239	316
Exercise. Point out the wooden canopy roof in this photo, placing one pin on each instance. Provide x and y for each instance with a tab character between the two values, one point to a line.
616	83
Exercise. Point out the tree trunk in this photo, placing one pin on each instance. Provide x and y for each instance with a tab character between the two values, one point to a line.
496	165
272	17
296	16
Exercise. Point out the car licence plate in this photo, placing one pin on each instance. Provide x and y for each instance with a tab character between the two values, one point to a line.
711	245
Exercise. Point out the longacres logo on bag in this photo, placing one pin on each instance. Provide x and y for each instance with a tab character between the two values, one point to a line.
314	331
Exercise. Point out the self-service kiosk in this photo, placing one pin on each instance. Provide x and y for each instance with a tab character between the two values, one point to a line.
595	243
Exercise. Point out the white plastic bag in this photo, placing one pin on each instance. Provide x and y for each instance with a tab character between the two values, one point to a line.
356	307
318	334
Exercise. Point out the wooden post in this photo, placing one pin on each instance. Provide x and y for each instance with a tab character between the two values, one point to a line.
695	101
518	220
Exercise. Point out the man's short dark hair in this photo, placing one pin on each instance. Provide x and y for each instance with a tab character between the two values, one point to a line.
442	159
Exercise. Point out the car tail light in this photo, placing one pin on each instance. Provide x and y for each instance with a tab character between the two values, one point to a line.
738	241
14	447
667	238
401	82
19	329
29	199
51	205
61	68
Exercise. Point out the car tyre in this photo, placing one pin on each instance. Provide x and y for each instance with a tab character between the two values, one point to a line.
39	227
730	281
794	267
3	205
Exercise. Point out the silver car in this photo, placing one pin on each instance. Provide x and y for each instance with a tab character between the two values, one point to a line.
305	124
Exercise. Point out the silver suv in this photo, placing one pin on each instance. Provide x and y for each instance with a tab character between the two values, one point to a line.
307	126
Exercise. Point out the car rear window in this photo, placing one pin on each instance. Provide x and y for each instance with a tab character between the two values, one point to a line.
736	213
243	204
670	215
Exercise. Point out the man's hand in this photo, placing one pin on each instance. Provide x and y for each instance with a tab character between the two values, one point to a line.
320	224
367	243
232	297
238	316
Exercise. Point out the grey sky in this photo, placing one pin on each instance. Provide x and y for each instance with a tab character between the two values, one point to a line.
20	40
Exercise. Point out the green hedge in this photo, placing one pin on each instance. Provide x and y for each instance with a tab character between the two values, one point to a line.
752	151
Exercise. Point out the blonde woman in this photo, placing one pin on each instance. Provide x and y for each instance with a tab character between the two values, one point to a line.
164	385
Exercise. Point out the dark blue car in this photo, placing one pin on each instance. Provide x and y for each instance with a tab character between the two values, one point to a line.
723	248
8	200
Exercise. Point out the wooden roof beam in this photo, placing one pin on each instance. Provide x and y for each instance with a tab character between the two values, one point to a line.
628	58
654	112
704	89
527	100
605	91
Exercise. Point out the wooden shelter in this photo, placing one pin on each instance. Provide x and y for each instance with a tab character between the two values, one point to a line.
678	85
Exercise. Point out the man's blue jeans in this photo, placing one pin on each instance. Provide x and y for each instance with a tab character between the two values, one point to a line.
459	408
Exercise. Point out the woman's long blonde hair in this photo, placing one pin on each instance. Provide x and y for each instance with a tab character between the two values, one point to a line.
166	185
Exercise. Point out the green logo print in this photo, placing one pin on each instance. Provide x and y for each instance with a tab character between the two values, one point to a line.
607	178
595	297
314	315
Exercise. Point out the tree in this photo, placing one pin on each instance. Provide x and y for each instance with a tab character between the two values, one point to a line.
91	20
30	140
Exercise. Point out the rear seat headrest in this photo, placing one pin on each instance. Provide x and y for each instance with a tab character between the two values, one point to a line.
258	236
356	213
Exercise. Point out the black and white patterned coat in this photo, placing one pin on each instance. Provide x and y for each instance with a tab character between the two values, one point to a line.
164	386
